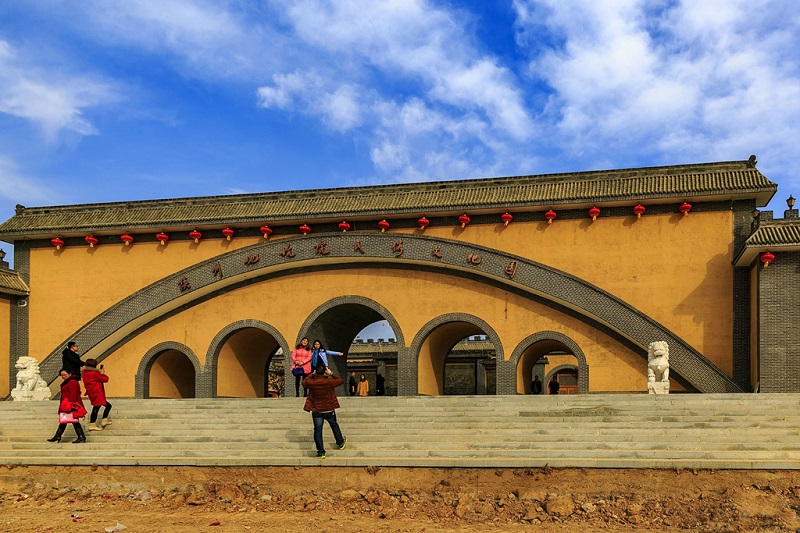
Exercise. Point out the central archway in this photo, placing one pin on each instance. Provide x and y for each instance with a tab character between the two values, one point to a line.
337	322
534	347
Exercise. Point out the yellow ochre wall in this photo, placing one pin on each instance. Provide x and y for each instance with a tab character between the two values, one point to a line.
5	345
404	294
675	269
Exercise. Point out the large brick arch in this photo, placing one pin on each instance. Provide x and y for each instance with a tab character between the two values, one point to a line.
408	360
209	385
509	370
142	385
264	260
323	325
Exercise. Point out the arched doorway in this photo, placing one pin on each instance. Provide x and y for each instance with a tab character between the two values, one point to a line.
338	322
548	355
240	360
168	370
444	362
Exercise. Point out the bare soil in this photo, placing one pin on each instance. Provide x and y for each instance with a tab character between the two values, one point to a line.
329	499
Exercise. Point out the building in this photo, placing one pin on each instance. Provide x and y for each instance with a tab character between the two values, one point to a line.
195	296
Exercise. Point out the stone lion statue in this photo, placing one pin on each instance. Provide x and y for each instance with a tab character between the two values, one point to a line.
658	362
28	378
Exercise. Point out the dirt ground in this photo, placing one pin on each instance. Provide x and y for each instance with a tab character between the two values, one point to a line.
156	499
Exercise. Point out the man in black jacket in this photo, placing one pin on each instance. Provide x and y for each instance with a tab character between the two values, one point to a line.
71	361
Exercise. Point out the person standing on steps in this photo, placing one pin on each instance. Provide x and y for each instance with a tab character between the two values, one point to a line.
319	353
70	408
363	386
352	384
322	404
301	364
536	385
93	379
71	361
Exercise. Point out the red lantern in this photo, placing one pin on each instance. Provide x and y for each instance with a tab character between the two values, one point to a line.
163	238
383	225
506	218
92	240
228	233
550	216
58	243
305	229
685	208
639	210
767	258
196	235
594	213
464	219
344	226
423	223
127	239
266	231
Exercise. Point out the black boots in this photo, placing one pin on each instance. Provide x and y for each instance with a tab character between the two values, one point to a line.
81	434
57	436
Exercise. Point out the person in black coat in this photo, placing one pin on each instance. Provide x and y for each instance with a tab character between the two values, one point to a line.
380	385
536	385
352	384
71	361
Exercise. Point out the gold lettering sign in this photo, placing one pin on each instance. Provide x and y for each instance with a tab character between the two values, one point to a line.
511	269
287	251
252	259
184	284
474	259
321	248
397	248
216	270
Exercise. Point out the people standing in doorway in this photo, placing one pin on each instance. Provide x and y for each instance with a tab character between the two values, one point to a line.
71	361
363	386
553	386
322	404
93	381
301	364
320	354
70	408
352	384
380	385
536	385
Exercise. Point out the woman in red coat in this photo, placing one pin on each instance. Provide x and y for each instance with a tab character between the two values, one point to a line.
71	404
93	380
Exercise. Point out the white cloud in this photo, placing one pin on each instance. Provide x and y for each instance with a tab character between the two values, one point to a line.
54	100
16	187
706	80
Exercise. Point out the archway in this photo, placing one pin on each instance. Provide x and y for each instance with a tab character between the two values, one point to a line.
168	370
431	346
540	353
239	359
566	375
336	324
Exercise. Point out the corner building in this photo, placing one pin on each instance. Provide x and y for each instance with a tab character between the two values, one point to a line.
193	297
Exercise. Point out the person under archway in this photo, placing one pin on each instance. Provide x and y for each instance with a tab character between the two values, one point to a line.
301	364
320	354
553	386
363	386
536	385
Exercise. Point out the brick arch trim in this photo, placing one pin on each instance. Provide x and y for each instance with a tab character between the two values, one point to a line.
552	373
266	259
209	385
358	300
142	381
408	361
530	340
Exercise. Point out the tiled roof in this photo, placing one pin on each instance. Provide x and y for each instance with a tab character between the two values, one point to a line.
11	283
781	234
710	180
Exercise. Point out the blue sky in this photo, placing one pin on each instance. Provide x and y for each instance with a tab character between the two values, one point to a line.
104	100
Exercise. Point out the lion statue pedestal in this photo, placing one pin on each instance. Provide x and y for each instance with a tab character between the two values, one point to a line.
658	368
30	385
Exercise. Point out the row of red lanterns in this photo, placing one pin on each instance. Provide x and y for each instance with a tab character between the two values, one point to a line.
344	226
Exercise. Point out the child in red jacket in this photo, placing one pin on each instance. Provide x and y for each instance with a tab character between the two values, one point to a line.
93	379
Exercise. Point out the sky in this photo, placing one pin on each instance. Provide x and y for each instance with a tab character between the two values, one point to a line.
112	100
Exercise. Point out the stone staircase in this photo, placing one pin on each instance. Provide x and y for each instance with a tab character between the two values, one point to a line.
720	431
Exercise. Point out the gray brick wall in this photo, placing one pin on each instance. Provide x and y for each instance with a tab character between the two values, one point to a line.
779	324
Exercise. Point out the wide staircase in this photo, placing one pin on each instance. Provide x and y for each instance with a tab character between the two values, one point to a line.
721	431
